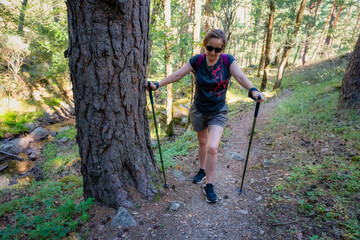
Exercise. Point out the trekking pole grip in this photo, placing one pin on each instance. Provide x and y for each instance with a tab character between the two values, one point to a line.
257	107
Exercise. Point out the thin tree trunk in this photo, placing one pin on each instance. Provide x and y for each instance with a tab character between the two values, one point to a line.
22	17
168	70
107	62
344	29
350	88
309	33
297	53
290	44
262	57
155	11
323	32
268	46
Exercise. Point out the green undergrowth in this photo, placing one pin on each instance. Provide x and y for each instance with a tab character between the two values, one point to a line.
57	158
172	151
325	143
46	210
14	122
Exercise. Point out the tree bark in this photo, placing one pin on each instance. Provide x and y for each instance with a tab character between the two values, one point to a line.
350	88
168	70
262	57
22	17
290	44
268	46
108	55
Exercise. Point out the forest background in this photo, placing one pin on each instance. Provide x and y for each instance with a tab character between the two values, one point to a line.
35	78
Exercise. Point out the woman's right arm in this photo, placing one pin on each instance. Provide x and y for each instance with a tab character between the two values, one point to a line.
175	76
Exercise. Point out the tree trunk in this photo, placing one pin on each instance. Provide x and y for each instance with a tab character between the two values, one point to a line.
208	12
268	45
168	70
350	88
344	29
154	13
197	27
262	57
108	55
323	32
22	17
290	45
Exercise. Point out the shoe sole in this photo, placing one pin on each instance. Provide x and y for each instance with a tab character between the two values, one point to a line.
207	200
200	181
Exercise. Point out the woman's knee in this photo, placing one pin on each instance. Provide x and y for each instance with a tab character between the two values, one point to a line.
202	141
212	149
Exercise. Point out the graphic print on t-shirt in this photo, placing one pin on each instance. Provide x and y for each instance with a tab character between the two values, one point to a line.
218	74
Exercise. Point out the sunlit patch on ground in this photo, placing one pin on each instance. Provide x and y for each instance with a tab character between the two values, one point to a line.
9	104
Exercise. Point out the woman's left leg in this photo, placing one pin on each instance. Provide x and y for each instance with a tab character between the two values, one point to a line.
214	136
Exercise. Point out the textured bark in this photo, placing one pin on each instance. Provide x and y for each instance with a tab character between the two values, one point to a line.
268	46
22	17
197	26
289	46
168	70
350	88
108	55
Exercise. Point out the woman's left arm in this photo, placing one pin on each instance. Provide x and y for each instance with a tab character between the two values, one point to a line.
240	77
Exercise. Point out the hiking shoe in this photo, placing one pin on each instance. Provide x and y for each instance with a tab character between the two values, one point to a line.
200	176
210	194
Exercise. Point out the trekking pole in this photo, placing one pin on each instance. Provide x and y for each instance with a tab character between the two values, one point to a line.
157	135
251	136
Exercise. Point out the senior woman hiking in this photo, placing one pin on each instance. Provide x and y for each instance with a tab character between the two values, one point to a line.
208	113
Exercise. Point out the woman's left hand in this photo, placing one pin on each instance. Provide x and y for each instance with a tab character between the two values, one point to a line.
256	94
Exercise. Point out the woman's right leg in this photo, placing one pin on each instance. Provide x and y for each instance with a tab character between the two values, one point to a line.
202	140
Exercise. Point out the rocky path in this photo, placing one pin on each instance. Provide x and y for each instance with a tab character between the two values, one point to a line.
190	217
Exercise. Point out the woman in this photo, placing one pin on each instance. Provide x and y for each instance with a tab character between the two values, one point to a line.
208	112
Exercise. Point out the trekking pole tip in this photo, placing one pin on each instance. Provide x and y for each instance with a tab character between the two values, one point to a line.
241	191
166	186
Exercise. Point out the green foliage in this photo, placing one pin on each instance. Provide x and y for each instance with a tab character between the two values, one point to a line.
14	122
179	147
47	210
57	158
70	134
324	179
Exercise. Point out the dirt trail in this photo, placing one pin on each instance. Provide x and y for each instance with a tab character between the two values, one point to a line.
233	217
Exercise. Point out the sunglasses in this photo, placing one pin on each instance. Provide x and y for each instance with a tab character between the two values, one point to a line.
210	48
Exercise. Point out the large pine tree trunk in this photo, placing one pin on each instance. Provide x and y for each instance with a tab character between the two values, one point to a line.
350	88
108	55
268	46
290	44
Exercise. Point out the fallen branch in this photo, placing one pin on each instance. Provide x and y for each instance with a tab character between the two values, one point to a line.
12	155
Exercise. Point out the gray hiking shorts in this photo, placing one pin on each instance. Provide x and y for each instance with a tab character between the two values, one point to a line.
200	121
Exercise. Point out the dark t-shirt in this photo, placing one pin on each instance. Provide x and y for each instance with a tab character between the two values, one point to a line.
211	84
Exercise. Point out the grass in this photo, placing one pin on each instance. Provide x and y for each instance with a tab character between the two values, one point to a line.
46	210
57	158
14	122
324	176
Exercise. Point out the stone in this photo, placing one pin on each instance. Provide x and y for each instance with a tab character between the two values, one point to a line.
243	212
123	218
31	126
179	176
175	205
4	182
15	147
235	156
38	134
64	129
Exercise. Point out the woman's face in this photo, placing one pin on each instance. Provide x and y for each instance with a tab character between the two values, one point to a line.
212	48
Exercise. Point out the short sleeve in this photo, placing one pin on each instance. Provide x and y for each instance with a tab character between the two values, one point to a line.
192	60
